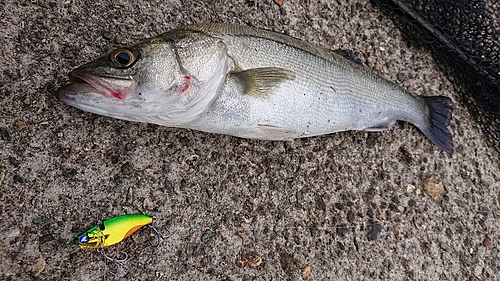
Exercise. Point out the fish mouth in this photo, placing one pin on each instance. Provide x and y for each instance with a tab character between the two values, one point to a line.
109	86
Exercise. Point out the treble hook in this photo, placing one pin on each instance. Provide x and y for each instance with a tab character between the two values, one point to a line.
117	262
159	235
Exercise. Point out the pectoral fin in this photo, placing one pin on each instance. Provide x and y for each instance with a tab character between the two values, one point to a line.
260	82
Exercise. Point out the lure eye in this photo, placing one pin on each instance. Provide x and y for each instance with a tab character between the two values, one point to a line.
84	239
123	58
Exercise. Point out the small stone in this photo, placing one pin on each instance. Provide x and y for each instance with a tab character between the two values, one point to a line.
37	220
2	176
288	263
306	272
279	2
18	179
37	267
4	134
401	77
106	35
478	271
243	236
341	229
375	231
339	206
13	161
411	203
147	204
410	188
436	191
118	39
46	238
20	125
486	242
351	217
127	169
320	203
207	236
251	260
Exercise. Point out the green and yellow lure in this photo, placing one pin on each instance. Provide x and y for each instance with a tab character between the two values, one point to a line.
112	231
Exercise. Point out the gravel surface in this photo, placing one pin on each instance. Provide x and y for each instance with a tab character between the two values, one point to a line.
347	206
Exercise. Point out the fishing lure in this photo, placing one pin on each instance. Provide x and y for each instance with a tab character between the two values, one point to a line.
113	230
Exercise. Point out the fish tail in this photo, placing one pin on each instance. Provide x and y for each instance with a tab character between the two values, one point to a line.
439	119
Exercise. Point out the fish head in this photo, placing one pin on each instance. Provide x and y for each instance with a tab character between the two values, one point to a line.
158	81
125	84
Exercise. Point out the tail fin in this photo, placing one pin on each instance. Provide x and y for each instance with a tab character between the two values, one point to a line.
439	118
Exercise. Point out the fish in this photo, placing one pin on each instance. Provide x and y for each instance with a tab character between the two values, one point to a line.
250	83
112	231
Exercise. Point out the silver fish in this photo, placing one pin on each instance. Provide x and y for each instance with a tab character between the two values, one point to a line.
250	83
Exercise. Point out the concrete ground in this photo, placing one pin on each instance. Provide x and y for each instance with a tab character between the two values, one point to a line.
347	206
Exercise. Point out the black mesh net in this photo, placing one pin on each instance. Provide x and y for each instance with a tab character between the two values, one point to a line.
464	38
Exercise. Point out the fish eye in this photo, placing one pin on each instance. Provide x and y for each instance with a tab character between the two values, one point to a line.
123	58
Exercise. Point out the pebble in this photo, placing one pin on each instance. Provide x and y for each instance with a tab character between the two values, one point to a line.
410	188
341	229
243	236
4	134
279	2
20	125
435	191
478	271
486	242
37	267
2	176
127	169
375	231
412	203
13	161
46	238
306	272
147	204
37	220
288	263
251	260
320	203
494	253
401	77
207	236
106	35
18	179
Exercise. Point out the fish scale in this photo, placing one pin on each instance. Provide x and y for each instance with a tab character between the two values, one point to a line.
349	97
250	83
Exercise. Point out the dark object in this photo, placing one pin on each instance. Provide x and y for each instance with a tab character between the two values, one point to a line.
464	40
374	231
46	238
